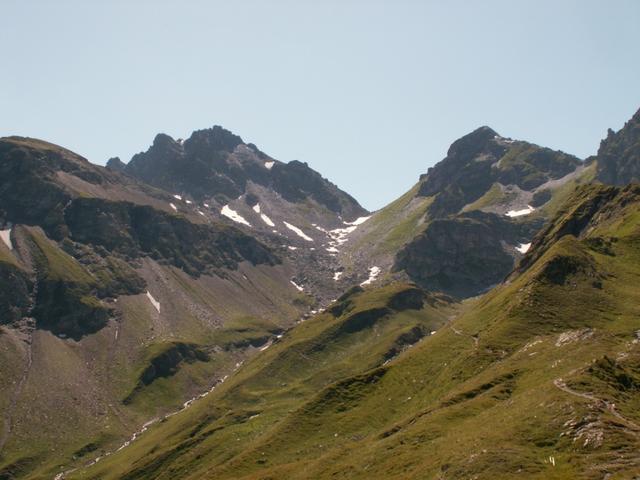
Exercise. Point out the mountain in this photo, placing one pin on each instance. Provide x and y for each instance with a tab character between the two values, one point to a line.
463	226
539	377
216	167
618	157
205	311
215	175
115	308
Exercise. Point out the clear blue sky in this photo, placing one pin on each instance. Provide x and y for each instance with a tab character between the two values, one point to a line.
369	93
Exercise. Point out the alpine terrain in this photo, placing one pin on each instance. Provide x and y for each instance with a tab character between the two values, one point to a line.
207	311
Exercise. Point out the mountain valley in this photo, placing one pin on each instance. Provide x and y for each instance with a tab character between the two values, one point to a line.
207	311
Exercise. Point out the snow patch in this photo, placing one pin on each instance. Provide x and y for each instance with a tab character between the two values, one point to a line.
267	220
332	250
233	215
177	197
358	221
503	139
189	202
519	213
298	287
201	213
174	207
153	301
206	205
373	274
298	232
268	165
5	235
292	248
339	236
523	247
337	275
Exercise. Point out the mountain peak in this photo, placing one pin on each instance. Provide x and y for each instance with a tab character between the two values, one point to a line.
619	154
482	158
472	143
162	139
214	138
464	153
114	163
217	166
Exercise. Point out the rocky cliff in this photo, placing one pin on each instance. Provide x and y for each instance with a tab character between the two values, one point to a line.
618	157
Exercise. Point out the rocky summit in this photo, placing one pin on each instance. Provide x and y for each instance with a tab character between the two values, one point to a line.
208	311
216	166
618	154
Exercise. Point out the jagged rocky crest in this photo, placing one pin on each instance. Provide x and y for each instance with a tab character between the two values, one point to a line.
478	160
78	205
483	193
618	157
216	164
122	298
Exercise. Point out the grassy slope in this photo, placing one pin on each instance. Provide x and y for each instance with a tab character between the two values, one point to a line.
564	192
61	393
268	393
72	392
386	232
517	385
7	256
495	195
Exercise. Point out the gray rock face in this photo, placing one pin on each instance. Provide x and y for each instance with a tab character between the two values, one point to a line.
116	164
478	160
103	235
215	163
619	154
463	255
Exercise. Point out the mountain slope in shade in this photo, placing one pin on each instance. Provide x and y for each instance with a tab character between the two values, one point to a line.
215	175
115	308
214	166
618	157
539	377
124	306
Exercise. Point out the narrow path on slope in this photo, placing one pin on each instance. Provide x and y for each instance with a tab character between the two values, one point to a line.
610	407
462	334
145	427
153	421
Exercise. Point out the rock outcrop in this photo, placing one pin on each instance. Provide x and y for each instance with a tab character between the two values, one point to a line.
216	164
478	160
618	159
463	255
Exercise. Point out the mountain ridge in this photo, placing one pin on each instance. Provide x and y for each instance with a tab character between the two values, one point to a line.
314	319
493	392
186	167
